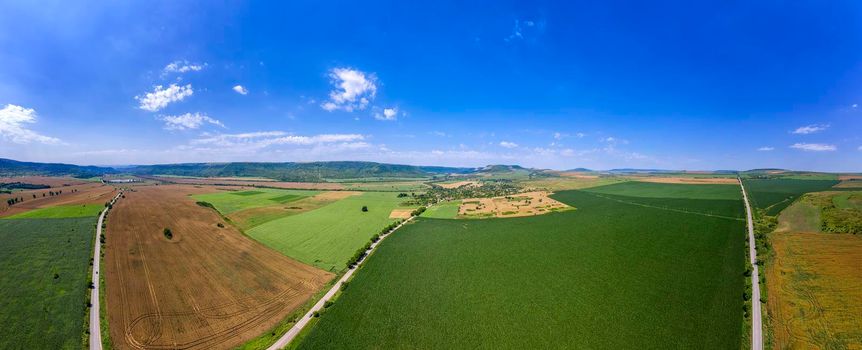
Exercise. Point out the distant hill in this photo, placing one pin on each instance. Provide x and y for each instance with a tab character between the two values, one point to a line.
10	167
579	170
304	172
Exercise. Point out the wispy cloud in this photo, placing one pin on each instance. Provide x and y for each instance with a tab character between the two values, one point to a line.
240	90
182	66
269	138
13	120
810	129
352	90
161	97
766	149
188	121
507	144
814	147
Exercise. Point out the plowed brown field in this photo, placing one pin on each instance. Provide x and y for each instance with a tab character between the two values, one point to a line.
57	181
205	288
87	193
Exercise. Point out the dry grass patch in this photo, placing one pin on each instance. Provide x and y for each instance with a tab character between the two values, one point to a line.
686	180
522	204
202	287
458	184
400	213
815	291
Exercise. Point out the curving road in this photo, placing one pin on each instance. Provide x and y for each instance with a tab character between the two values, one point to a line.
756	321
95	328
294	331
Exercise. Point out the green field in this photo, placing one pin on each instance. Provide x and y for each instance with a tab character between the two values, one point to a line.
609	275
773	195
43	282
445	210
61	211
327	237
231	201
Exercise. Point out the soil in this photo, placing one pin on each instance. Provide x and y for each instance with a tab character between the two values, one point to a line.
208	287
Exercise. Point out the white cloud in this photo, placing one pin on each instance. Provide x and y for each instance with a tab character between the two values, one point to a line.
240	90
182	67
188	121
580	135
13	120
388	114
263	139
810	129
766	149
508	144
815	147
854	106
352	90
161	97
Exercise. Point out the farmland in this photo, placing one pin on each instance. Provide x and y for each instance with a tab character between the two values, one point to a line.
61	211
608	275
228	202
773	195
43	282
326	237
814	285
86	193
177	276
443	210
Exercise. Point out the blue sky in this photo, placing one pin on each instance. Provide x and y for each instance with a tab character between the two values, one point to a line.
723	85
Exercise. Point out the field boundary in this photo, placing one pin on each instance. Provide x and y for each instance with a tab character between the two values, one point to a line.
664	208
291	334
756	322
95	325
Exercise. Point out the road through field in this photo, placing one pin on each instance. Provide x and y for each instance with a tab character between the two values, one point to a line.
95	327
756	322
294	331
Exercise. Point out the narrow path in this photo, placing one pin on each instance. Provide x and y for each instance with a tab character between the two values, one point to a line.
756	321
95	326
294	331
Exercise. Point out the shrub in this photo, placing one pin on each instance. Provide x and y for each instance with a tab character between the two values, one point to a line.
168	234
364	208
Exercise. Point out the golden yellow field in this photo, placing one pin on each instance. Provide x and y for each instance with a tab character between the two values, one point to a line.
521	204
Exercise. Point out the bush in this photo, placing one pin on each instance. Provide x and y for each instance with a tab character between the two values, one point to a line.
364	208
168	234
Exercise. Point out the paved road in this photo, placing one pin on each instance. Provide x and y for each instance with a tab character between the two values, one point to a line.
756	321
95	329
287	337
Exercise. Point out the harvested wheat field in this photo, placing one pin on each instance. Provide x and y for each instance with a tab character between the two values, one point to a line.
815	291
201	286
87	193
458	184
236	182
521	204
687	180
400	213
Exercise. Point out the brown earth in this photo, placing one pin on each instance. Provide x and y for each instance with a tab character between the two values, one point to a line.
58	181
85	193
815	291
849	184
231	182
849	177
686	180
207	287
521	204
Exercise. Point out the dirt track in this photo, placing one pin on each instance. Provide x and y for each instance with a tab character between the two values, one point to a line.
206	287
